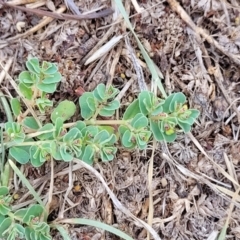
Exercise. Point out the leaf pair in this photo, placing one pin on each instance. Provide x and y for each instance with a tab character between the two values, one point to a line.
99	101
136	133
98	142
35	83
44	77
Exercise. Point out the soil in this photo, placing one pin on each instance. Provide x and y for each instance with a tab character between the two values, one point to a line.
194	183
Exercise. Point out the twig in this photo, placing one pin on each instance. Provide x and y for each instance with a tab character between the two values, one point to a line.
125	88
42	23
7	67
137	7
21	2
56	15
114	63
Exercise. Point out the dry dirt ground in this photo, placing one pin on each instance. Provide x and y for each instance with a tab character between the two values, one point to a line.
196	47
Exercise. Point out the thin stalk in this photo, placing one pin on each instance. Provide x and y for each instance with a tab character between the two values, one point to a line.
5	171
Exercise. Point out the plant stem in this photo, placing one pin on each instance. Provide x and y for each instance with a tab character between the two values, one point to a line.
98	122
8	145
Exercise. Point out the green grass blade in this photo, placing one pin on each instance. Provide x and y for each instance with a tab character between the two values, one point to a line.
26	182
97	224
62	231
148	60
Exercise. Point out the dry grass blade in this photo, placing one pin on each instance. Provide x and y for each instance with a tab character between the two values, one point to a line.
6	67
116	202
150	176
140	77
72	6
104	49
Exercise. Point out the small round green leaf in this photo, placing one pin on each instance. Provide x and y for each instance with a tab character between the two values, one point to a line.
88	154
65	110
4	225
87	105
31	123
3	191
132	110
19	154
26	91
16	107
139	121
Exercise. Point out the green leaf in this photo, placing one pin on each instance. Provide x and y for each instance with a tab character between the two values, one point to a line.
16	107
111	92
99	92
4	208
132	110
31	123
80	125
46	136
49	68
101	137
145	102
47	88
143	138
178	99
194	113
106	113
55	78
184	126
72	134
88	154
4	225
114	105
170	138
65	110
33	65
19	154
15	132
3	191
65	153
128	139
20	213
86	111
42	103
156	130
27	78
55	151
58	127
37	156
107	153
34	211
167	102
26	91
18	231
139	121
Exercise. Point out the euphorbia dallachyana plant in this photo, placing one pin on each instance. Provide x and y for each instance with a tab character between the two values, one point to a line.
96	135
25	223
